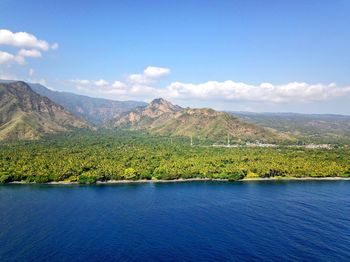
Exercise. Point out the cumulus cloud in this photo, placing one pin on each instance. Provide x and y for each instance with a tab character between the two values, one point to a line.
9	58
117	89
156	72
29	46
22	39
141	86
5	57
101	82
119	85
29	53
150	75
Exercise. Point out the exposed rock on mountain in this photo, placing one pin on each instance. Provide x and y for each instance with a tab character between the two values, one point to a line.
163	118
25	114
142	116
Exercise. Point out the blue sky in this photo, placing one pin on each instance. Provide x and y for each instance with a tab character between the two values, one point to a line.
216	53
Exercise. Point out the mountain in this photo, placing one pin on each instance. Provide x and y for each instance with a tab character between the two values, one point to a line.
141	117
317	128
163	118
94	110
25	114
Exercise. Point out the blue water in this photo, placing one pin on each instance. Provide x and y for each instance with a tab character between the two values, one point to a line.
194	221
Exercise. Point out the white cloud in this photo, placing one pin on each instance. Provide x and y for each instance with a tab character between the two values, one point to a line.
156	72
101	82
139	86
23	39
150	75
10	58
29	53
135	85
119	85
265	92
6	57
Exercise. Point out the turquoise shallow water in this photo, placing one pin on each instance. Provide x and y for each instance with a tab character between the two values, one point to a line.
192	221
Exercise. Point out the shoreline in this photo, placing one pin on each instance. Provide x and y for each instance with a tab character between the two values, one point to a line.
258	179
333	178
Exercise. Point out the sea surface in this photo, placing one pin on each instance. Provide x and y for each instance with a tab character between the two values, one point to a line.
185	221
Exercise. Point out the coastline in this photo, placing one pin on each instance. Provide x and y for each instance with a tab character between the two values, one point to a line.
258	179
333	178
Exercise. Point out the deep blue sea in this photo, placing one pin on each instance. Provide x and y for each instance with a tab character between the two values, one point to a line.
186	221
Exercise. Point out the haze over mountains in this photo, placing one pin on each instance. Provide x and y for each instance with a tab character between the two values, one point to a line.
312	127
94	110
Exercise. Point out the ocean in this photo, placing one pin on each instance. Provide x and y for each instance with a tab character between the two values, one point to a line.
184	221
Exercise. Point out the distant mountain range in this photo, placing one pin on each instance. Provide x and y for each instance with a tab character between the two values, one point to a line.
29	111
319	128
163	118
94	110
25	114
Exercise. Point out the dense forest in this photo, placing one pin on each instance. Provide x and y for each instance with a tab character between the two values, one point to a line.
87	157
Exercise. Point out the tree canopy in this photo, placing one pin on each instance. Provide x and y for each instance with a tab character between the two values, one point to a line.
87	157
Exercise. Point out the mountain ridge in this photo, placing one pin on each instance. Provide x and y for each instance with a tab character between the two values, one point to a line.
315	128
25	114
163	118
93	109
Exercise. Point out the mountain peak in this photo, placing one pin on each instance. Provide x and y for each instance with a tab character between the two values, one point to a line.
20	86
159	101
163	106
156	108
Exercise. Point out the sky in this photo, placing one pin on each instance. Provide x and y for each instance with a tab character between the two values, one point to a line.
239	55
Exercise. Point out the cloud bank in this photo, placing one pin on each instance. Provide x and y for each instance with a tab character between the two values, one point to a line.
142	87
